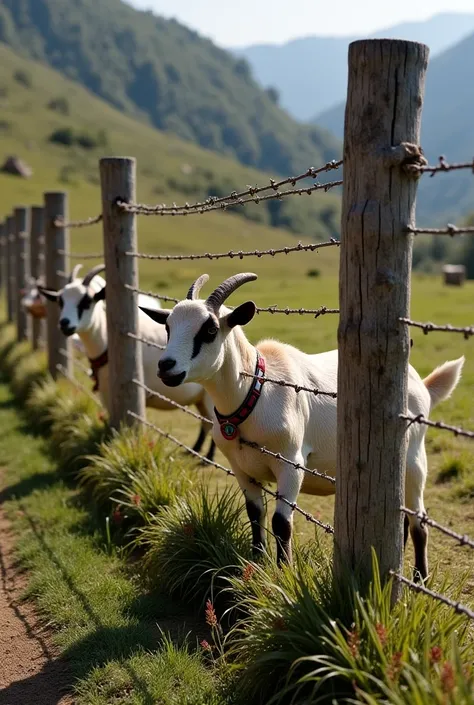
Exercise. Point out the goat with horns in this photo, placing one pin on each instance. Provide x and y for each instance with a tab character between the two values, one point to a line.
206	345
83	311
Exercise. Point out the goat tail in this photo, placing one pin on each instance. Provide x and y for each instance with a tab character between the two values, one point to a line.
443	380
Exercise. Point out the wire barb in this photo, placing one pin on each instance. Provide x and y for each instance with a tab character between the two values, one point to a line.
417	587
297	387
240	254
428	327
60	223
437	424
450	230
443	165
463	539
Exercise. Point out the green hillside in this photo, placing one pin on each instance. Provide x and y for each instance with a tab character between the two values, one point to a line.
37	103
160	71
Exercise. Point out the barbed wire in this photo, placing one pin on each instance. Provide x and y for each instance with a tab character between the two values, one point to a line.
77	384
81	255
297	387
417	587
437	424
276	495
236	196
428	327
266	309
463	539
145	340
243	441
450	230
60	223
240	254
59	273
142	209
443	165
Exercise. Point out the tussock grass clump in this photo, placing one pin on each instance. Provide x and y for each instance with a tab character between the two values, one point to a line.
301	642
28	371
77	430
40	404
453	467
191	546
137	472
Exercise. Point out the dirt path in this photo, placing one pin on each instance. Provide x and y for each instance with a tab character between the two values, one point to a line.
30	672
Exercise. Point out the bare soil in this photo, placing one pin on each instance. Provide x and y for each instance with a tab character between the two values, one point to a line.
31	673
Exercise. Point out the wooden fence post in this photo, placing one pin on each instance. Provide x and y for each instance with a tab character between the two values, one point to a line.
3	228
56	247
381	138
37	269
22	256
118	176
11	272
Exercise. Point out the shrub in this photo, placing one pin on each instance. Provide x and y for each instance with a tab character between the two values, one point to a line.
64	135
302	642
23	78
195	543
136	472
68	137
453	467
313	273
59	105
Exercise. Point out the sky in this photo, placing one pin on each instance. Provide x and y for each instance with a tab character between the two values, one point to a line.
236	23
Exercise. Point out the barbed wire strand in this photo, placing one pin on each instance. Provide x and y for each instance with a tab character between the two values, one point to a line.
297	387
463	539
417	587
77	384
429	327
60	223
81	255
240	254
316	312
142	209
145	340
450	230
250	444
437	424
276	495
443	165
250	191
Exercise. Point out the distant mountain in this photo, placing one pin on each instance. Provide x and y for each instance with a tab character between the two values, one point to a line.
160	71
310	74
446	129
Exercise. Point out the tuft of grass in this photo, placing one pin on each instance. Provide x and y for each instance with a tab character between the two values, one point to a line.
77	430
453	467
40	404
301	642
193	545
137	472
28	372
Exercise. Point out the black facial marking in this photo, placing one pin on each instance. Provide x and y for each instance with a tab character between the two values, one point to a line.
83	305
167	328
206	334
61	302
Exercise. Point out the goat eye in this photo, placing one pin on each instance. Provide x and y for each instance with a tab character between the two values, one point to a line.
212	330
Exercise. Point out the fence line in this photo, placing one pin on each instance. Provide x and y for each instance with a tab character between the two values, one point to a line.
437	424
240	254
429	327
463	539
417	587
367	265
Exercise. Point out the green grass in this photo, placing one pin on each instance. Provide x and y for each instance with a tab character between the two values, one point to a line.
169	169
111	631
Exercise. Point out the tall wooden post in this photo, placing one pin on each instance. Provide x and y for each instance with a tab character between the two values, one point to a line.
37	269
118	176
11	272
56	245
381	138
22	255
3	228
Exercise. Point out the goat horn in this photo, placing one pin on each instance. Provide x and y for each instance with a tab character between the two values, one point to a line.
94	271
74	273
216	299
195	288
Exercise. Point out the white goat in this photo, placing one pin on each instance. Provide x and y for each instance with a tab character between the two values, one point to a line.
83	310
207	345
35	305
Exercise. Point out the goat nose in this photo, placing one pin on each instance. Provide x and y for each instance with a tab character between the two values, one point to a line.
166	364
64	322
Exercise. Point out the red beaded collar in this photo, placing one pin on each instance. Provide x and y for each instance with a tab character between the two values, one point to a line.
229	424
96	364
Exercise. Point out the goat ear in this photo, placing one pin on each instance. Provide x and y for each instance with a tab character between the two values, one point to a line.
100	295
160	315
48	294
241	315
